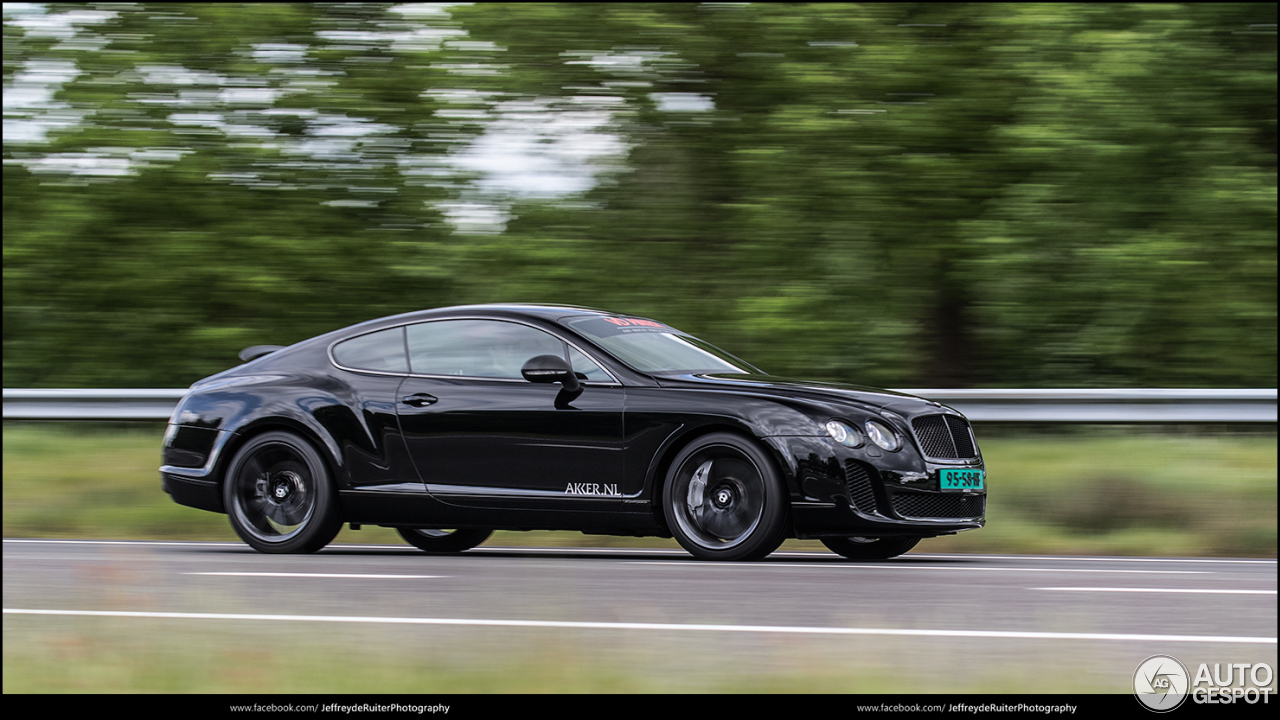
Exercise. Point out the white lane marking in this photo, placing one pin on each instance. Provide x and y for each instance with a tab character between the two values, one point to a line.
887	566
316	575
129	542
1087	558
1162	590
652	626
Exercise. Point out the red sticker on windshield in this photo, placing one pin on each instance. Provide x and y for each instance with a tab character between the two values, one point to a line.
626	322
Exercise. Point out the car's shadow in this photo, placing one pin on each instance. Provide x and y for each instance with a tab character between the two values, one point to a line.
569	553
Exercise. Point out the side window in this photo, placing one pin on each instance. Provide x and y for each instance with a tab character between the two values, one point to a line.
477	348
584	365
382	350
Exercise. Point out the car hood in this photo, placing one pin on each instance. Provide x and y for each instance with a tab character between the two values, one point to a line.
875	398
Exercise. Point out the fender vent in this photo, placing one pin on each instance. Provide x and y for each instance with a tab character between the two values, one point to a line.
857	479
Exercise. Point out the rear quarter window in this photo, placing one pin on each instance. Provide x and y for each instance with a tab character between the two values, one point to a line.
383	351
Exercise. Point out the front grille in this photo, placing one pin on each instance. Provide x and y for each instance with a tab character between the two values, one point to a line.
858	480
961	436
944	436
930	505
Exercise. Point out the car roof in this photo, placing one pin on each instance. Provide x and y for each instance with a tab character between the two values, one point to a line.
549	313
546	312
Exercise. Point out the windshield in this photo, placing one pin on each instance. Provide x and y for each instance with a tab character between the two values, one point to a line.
654	348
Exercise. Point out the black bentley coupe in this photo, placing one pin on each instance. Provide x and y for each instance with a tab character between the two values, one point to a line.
448	424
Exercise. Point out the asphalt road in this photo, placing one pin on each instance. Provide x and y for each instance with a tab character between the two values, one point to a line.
946	622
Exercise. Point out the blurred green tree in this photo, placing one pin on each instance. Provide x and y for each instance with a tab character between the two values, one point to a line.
896	194
929	195
241	174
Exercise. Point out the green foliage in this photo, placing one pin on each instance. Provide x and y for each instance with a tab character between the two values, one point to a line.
1063	195
224	231
900	195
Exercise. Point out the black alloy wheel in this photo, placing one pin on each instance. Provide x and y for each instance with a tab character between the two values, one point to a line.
724	499
433	540
856	548
279	497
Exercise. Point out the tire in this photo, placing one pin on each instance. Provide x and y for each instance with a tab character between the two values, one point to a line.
279	497
869	548
724	500
443	541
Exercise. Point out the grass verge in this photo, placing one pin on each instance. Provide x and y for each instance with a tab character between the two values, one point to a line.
113	655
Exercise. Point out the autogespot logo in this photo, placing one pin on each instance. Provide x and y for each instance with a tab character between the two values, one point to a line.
1161	683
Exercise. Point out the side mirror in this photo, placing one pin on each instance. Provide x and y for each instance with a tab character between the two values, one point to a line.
551	369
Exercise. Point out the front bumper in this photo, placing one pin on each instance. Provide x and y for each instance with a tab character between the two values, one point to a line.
841	493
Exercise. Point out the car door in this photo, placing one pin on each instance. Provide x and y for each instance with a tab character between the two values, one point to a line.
481	435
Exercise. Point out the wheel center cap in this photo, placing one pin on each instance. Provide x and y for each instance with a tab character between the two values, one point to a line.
723	497
283	486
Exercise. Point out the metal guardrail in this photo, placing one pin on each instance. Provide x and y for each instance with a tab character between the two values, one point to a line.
1146	405
1134	405
92	404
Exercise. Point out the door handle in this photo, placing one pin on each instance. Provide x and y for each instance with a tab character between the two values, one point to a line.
419	400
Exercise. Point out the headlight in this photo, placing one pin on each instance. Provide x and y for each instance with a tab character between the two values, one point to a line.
882	436
844	434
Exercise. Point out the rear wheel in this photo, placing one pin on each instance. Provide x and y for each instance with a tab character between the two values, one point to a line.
856	548
279	497
433	540
724	500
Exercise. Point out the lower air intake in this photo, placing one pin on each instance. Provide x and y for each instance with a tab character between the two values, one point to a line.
932	506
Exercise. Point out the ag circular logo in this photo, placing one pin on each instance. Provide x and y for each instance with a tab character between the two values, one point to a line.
1161	683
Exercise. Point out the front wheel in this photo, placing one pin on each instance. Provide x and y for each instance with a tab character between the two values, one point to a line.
856	548
443	541
279	497
724	499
